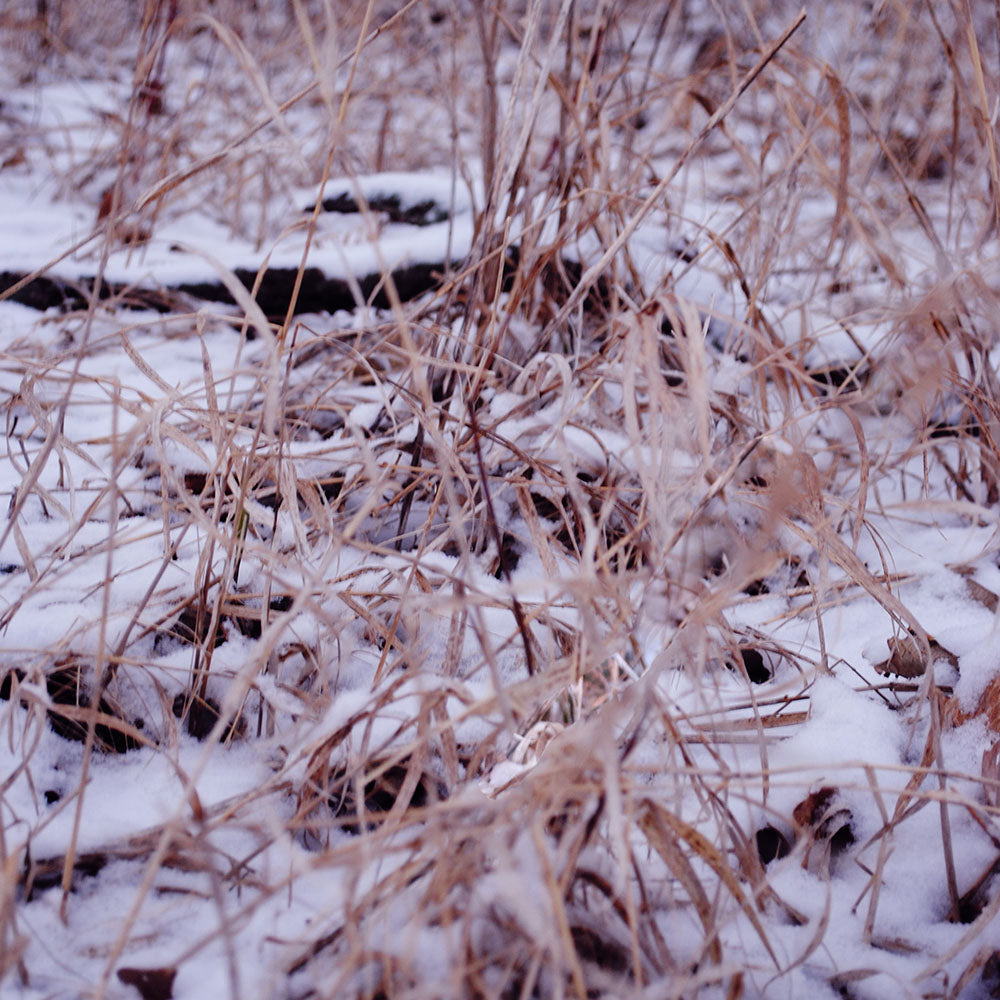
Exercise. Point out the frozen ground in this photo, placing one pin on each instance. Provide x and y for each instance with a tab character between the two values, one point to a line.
528	637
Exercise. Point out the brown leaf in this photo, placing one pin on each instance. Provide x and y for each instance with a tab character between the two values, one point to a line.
822	813
811	809
987	707
904	659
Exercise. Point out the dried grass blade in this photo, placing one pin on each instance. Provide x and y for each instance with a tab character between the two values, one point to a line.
184	174
864	476
662	839
988	127
653	199
656	817
844	137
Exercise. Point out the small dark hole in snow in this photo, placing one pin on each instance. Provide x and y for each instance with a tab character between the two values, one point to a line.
954	430
7	684
331	487
771	844
150	93
48	874
753	662
546	508
837	377
421	213
188	629
152	984
269	496
686	252
66	688
991	974
195	482
718	565
605	954
972	904
844	836
509	556
438	389
380	796
201	717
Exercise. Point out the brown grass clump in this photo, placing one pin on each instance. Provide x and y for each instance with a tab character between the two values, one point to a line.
578	627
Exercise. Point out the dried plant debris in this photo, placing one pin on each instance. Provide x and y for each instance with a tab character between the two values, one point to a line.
463	465
906	659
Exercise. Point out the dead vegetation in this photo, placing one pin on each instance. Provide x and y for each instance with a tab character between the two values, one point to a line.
516	590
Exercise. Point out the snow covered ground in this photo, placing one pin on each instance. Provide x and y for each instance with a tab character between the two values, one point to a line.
542	630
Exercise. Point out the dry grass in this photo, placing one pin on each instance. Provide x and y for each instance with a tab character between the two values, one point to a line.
472	573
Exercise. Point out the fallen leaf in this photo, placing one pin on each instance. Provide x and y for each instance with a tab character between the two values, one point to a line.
904	659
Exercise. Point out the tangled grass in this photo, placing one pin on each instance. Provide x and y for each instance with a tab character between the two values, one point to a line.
520	602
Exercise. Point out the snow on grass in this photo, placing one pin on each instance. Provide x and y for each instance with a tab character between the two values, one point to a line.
526	638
